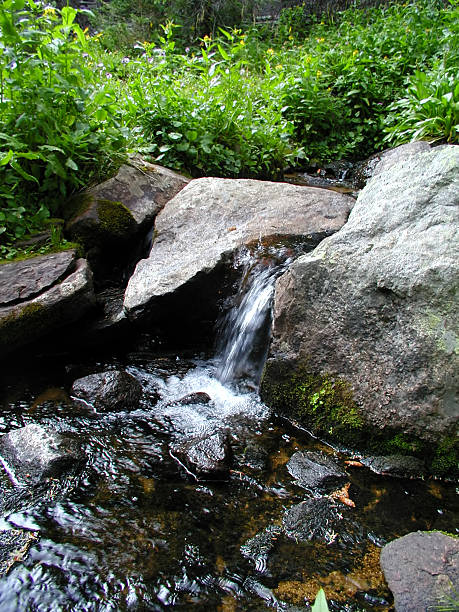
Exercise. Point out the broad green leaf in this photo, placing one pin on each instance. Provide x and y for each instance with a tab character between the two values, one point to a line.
6	158
175	135
223	53
320	604
68	15
71	164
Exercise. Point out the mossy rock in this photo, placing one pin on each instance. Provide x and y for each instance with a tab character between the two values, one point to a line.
99	223
324	404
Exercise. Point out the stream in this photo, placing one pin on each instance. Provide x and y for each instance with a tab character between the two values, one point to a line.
138	530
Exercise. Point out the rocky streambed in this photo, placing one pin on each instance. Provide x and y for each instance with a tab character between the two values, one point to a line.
141	469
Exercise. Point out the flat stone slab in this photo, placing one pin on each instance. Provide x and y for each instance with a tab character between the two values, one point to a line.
212	217
61	304
22	280
422	571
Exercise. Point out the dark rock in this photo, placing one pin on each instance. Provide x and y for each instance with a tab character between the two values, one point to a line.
199	397
234	213
396	465
312	470
31	454
14	547
422	571
254	456
258	548
62	304
313	519
23	280
116	210
207	456
366	326
112	390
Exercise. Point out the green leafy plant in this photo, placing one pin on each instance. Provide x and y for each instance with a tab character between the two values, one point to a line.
320	604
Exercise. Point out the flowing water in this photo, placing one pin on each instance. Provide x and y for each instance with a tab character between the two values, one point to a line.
137	531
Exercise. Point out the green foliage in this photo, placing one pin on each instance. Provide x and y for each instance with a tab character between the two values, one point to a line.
429	111
59	129
320	604
230	106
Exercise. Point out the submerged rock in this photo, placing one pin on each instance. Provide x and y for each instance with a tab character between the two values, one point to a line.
366	326
112	390
207	456
31	453
312	519
422	571
313	470
233	213
14	547
199	397
66	301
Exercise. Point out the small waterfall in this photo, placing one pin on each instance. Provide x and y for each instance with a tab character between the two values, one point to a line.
245	329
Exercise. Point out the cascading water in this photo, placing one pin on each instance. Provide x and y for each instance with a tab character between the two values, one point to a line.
244	331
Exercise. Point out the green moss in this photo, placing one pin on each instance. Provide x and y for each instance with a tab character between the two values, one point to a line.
115	218
445	460
325	405
12	326
322	403
403	444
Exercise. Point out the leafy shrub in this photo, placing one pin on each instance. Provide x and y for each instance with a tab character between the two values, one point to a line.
59	128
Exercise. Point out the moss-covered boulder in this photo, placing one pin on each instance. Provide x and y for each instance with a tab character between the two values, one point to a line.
108	216
365	332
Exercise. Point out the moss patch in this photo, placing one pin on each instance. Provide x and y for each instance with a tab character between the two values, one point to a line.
14	326
321	402
325	405
115	218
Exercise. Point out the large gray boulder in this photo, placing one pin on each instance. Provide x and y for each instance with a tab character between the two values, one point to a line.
211	218
41	295
365	331
422	571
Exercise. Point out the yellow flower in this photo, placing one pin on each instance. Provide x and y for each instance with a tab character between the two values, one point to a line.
270	51
49	11
319	73
308	59
279	67
355	52
206	38
320	40
242	42
290	37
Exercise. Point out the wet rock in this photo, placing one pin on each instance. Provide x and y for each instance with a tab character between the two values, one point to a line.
207	456
321	519
31	453
119	208
23	280
233	213
254	456
379	162
258	548
422	571
64	302
112	390
313	470
366	326
313	519
199	397
14	547
396	465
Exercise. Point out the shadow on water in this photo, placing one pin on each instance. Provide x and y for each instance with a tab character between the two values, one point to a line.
138	532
